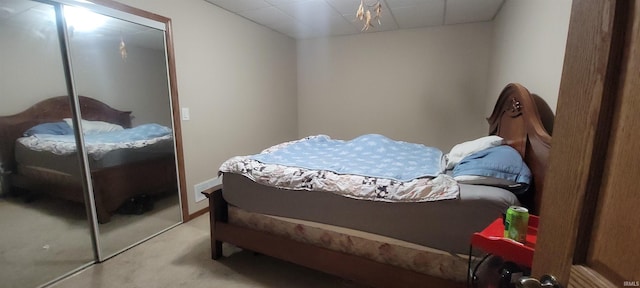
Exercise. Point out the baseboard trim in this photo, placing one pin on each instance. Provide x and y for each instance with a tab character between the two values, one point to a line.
196	214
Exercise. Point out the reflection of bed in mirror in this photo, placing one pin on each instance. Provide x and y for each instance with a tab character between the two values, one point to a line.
142	165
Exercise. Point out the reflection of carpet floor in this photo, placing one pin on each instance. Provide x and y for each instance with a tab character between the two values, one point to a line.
49	237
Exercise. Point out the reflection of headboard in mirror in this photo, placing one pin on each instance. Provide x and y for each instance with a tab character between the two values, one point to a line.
52	110
517	119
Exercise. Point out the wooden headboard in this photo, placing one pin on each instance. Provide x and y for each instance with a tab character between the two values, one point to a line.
52	110
520	118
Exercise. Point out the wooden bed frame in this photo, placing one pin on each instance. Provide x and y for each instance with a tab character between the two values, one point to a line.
112	186
516	118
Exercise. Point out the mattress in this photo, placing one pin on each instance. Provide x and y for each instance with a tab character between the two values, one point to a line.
68	164
445	225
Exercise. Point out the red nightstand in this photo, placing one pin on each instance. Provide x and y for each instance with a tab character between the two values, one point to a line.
491	241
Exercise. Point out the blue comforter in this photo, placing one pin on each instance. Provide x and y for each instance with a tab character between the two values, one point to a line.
142	132
369	155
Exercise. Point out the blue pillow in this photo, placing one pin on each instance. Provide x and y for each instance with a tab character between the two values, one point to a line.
53	128
502	162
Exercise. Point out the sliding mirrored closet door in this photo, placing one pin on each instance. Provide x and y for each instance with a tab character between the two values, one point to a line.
88	147
133	170
43	235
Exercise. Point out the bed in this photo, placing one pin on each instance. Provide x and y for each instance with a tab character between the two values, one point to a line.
381	243
118	173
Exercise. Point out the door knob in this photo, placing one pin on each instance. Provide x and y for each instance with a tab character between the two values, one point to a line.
545	281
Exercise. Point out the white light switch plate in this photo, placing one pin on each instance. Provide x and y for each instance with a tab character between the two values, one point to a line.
185	114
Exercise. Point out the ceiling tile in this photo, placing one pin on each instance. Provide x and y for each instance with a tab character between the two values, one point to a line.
345	7
386	22
283	2
240	5
465	11
267	16
9	8
310	11
21	14
408	3
348	9
427	14
319	18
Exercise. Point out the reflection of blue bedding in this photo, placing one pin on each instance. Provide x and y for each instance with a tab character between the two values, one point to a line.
368	155
142	132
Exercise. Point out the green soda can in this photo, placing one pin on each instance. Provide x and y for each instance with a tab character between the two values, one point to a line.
516	223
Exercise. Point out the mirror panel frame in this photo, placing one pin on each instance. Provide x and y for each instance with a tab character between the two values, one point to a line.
173	86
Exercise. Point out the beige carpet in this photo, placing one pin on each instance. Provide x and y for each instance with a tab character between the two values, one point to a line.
46	238
180	257
38	242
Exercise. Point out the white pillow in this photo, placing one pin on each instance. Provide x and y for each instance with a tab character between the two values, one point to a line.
467	148
93	127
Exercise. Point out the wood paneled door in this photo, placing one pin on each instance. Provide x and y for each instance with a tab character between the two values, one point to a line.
590	224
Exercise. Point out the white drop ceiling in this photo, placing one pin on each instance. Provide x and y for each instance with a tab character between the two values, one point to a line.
302	19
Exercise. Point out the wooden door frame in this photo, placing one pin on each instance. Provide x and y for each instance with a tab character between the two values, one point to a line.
587	97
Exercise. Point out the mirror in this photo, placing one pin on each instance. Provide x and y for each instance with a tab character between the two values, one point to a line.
123	65
119	84
43	235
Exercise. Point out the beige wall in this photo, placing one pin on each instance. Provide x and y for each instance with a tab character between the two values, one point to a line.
528	47
420	85
237	78
138	84
28	57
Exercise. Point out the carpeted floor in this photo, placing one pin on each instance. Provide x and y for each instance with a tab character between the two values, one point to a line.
180	257
45	238
39	243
